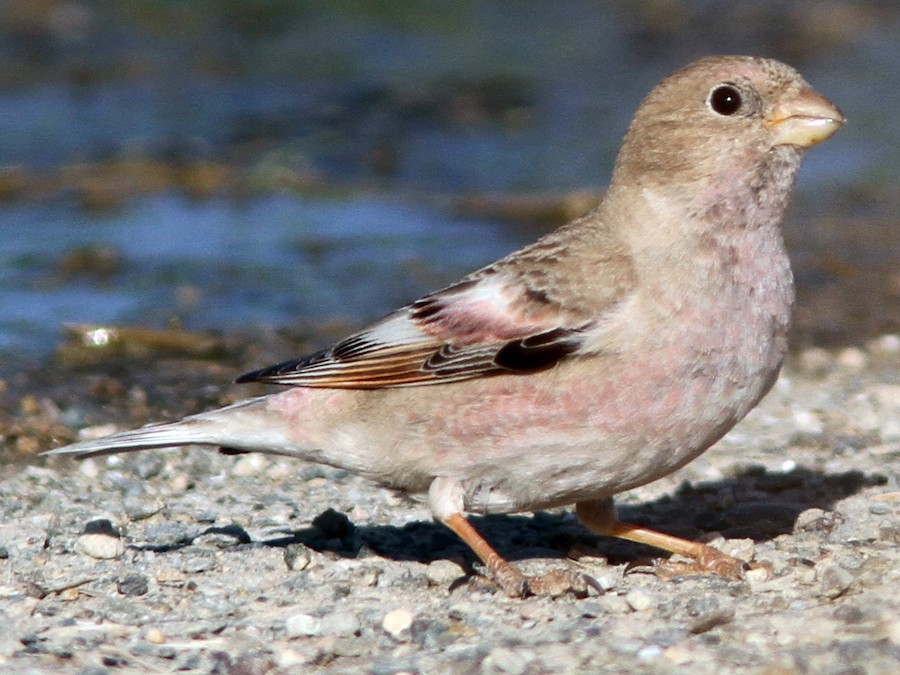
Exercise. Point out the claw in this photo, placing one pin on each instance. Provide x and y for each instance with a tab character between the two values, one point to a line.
722	565
561	581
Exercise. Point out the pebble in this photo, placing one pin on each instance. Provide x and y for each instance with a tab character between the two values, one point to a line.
607	581
166	534
889	532
89	468
889	629
251	464
195	560
639	600
302	625
340	623
743	549
505	660
100	546
380	595
807	422
649	653
886	344
815	361
713	618
852	358
886	398
291	659
398	622
443	572
756	577
680	654
142	507
155	636
833	579
297	557
133	584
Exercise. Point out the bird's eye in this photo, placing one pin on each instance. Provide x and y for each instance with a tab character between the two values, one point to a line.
725	99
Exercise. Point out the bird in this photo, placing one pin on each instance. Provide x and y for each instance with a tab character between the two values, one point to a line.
601	357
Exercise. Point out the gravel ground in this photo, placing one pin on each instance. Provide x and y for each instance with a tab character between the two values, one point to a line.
191	561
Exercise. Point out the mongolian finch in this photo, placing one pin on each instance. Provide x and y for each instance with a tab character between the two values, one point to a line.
603	356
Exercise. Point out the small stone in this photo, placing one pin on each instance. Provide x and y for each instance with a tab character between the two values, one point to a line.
815	360
807	422
886	344
889	628
708	620
505	660
297	557
833	579
398	622
302	625
756	576
168	534
339	623
744	549
369	576
155	636
69	594
251	464
195	560
889	532
443	572
849	614
886	399
290	658
852	358
89	468
649	653
133	585
141	508
100	546
679	654
607	581
180	482
639	600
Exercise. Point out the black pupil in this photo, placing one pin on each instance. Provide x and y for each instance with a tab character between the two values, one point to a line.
725	100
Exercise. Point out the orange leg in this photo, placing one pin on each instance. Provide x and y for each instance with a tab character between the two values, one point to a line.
600	517
511	580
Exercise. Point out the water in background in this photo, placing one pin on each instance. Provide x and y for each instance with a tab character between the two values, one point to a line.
389	102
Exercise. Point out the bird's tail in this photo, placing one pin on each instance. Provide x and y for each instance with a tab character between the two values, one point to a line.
239	427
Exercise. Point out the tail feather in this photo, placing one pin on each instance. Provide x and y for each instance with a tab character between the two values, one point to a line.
241	427
145	438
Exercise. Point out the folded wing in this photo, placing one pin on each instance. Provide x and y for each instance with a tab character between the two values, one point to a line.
479	327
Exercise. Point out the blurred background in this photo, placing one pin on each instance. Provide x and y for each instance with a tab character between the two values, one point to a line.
231	165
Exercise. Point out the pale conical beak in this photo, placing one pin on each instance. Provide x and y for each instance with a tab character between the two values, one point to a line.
804	119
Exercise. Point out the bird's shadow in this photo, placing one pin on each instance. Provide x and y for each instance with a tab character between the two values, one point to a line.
756	504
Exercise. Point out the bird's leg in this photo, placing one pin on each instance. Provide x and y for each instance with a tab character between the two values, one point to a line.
446	499
510	580
600	516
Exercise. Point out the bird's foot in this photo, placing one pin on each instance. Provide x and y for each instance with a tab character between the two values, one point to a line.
708	561
558	582
553	584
